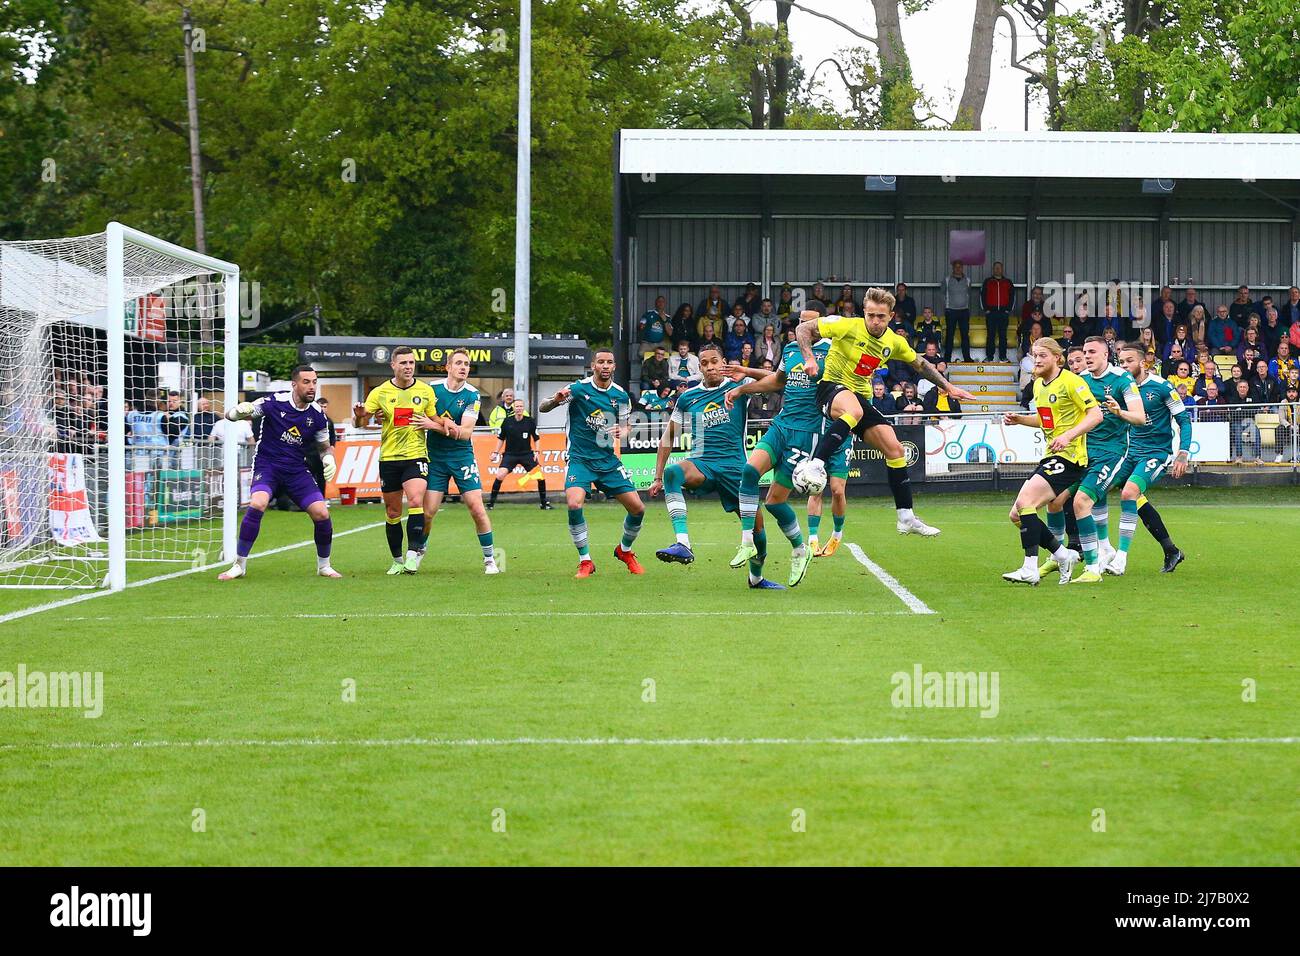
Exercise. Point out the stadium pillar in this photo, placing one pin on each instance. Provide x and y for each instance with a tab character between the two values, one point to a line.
523	201
621	349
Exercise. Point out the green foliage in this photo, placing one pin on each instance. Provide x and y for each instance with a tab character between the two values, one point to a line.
277	360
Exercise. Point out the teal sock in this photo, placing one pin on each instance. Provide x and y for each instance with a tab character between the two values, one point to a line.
1128	523
578	532
1088	539
485	542
788	522
1101	517
839	523
749	497
814	522
673	497
1056	524
631	528
756	565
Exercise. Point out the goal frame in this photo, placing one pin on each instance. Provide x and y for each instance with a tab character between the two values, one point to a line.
117	237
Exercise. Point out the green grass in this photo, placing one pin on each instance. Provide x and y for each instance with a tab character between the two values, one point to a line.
536	654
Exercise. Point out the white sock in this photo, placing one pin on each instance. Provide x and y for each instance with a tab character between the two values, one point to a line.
684	539
322	563
1031	564
905	514
242	562
1062	553
799	551
747	537
755	578
837	535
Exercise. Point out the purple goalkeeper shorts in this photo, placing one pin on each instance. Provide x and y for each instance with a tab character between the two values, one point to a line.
295	479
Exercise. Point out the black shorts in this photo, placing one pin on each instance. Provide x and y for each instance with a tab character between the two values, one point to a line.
1060	472
511	462
394	474
871	417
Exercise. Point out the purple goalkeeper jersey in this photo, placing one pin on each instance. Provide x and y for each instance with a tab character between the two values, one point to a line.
287	431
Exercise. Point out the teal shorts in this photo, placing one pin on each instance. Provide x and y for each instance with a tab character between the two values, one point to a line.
612	479
462	469
789	446
1104	473
722	478
1148	468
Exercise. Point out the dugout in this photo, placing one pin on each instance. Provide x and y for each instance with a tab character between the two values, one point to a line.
693	208
348	367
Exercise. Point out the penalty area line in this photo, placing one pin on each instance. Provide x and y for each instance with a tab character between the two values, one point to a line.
914	603
478	742
66	602
369	615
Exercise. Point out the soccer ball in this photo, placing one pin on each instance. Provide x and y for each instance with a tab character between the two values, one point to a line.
809	477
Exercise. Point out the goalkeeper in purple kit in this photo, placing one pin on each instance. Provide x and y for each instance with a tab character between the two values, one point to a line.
289	420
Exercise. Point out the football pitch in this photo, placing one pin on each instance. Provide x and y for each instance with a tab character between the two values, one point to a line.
676	717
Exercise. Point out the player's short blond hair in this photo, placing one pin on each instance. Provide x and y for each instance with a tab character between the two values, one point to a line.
1050	345
879	297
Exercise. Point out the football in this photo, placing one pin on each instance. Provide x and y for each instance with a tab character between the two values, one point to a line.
809	477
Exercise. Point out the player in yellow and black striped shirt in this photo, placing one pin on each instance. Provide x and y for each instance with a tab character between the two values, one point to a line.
399	404
858	347
1065	409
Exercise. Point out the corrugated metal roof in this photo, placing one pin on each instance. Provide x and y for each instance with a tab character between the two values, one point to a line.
1239	156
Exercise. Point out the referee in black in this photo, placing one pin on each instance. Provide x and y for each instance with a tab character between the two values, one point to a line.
518	433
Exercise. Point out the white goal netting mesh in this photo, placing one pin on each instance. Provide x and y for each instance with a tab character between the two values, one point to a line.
56	405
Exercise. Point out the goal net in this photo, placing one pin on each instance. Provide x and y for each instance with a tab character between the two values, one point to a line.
118	354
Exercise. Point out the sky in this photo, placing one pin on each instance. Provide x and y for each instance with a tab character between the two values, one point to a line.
938	42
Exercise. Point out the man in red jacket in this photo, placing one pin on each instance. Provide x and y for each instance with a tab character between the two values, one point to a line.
998	296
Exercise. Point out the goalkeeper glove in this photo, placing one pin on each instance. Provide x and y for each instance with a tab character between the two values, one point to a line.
330	470
241	411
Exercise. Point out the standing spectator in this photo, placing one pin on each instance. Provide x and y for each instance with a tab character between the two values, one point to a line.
764	318
738	337
654	371
1288	313
750	301
505	400
1222	335
956	310
928	330
240	432
769	347
905	305
655	325
685	366
1283	363
1110	319
1185	307
1289	434
1242	307
204	420
176	421
517	448
998	297
713	307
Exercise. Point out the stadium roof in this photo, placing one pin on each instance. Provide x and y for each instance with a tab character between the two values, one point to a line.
1223	156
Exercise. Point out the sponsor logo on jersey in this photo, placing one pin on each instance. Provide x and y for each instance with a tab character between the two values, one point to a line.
714	413
1045	416
597	421
291	436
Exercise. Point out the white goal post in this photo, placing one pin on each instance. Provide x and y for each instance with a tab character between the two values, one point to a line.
118	353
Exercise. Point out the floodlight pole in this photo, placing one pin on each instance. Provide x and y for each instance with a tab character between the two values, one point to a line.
196	156
523	200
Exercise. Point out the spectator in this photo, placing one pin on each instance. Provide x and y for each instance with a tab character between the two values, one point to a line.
1138	317
1247	363
1205	378
655	325
1290	415
898	323
1223	335
1188	400
1034	302
654	370
1288	314
909	406
1263	305
1110	319
1147	339
659	399
1250	340
710	334
750	301
1069	338
1035	319
747	356
819	295
937	403
932	356
1267	389
905	305
1184	310
1203	359
1283	362
240	432
684	366
846	308
789	325
928	330
1211	407
846	298
769	347
1272	331
1170	365
204	420
1183	376
1242	307
1084	324
1244	434
175	421
998	297
956	310
1164	317
738	337
881	400
1112	344
498	412
683	321
786	305
765	318
1182	340
713	307
766	405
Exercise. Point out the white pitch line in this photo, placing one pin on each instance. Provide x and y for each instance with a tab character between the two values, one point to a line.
914	603
65	602
474	742
342	615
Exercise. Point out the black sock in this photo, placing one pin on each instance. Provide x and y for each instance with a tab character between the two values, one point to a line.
901	485
541	489
1031	528
394	531
1071	526
832	441
1151	519
496	490
415	531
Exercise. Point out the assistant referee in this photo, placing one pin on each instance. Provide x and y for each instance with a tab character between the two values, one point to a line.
517	439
